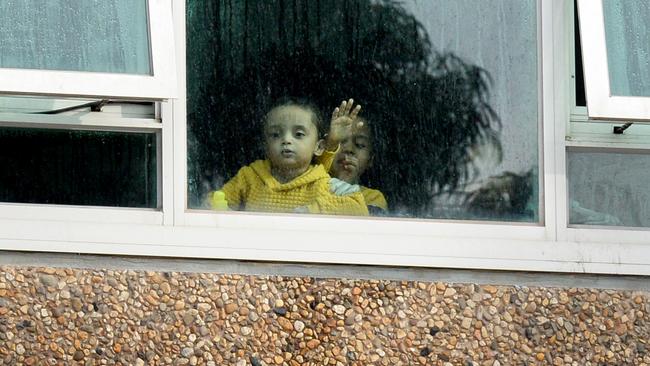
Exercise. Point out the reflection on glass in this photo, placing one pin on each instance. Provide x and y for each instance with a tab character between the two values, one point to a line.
90	35
627	34
78	167
448	90
609	189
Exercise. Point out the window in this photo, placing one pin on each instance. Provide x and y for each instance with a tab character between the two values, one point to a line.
606	159
538	185
95	168
616	53
76	37
79	152
454	121
81	128
609	188
114	48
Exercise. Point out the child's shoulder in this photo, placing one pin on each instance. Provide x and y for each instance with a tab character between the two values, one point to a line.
374	197
315	175
256	171
319	169
258	166
371	192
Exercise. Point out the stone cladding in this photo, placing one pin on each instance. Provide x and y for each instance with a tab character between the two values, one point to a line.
55	316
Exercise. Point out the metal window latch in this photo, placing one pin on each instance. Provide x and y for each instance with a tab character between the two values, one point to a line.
97	106
618	130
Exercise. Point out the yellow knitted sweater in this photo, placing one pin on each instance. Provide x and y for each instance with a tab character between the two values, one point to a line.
374	197
255	189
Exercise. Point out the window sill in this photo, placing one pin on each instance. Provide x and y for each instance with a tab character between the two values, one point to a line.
591	251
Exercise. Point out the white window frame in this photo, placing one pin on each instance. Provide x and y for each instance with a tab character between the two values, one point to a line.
162	84
600	101
583	130
179	232
93	121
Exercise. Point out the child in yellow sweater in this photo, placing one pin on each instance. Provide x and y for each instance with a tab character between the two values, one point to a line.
354	154
287	181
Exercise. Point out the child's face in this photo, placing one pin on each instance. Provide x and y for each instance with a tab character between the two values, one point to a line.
291	137
354	156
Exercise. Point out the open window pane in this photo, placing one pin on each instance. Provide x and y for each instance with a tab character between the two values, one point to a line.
609	188
627	34
112	48
78	167
449	91
90	35
579	80
615	39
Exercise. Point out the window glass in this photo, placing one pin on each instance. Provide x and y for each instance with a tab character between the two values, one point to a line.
89	35
610	189
448	88
78	167
627	34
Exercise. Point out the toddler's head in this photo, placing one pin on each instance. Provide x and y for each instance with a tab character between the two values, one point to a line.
291	138
355	155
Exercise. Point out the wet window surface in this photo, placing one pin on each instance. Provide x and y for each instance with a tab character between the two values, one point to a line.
609	189
449	90
627	35
90	35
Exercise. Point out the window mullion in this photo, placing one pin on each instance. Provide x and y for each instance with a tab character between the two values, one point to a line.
556	176
178	109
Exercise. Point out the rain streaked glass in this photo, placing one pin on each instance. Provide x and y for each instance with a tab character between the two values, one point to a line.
627	33
89	35
450	88
609	189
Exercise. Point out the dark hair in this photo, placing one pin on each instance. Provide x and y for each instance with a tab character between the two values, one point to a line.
304	104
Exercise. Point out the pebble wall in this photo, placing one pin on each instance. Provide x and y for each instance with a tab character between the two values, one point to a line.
51	316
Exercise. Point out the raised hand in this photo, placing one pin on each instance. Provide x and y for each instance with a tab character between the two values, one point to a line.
342	124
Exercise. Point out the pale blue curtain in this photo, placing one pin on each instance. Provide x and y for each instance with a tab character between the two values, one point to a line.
87	35
627	31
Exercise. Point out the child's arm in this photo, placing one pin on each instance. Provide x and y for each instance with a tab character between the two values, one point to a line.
326	158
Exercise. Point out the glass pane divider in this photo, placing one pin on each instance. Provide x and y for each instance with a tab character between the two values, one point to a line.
167	152
175	195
